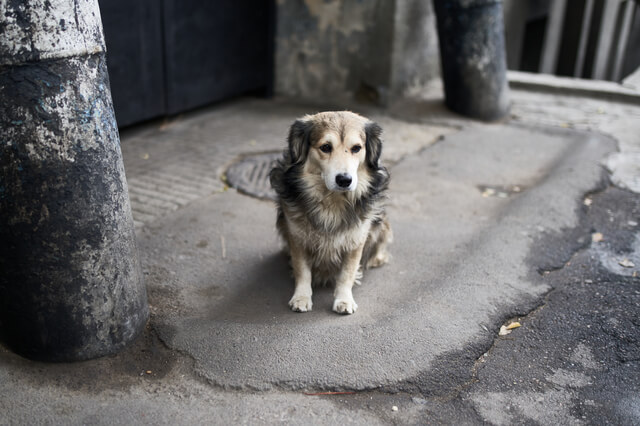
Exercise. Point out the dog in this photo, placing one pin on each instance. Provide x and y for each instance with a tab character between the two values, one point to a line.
331	191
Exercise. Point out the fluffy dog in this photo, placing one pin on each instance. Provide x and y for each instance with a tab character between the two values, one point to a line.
331	189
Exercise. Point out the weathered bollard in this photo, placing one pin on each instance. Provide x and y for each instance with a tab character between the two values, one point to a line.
70	281
472	52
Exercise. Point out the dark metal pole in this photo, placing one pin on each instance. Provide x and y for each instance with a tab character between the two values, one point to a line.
70	281
472	52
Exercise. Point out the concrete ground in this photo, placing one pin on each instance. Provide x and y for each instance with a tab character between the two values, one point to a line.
533	220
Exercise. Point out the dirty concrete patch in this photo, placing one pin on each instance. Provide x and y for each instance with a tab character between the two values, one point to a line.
624	263
625	170
458	267
145	360
403	139
180	401
550	407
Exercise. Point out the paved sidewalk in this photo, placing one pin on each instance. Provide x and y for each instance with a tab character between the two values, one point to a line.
483	214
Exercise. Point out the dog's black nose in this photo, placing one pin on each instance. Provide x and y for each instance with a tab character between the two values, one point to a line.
343	180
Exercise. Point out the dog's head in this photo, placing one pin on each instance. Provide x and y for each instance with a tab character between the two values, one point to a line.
338	146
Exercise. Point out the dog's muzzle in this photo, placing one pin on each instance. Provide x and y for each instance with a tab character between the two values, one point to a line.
343	180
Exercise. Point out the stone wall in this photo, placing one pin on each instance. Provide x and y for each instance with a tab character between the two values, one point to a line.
339	49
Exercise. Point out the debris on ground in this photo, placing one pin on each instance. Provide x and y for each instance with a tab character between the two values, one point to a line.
499	191
626	263
506	329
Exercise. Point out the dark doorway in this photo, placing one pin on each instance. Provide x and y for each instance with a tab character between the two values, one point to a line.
166	57
532	44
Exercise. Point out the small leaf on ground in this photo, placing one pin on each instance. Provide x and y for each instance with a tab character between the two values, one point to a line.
626	263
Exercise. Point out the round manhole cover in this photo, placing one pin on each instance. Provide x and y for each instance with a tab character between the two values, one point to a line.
251	175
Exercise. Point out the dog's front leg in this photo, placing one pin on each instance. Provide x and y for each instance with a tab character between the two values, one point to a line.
343	302
301	299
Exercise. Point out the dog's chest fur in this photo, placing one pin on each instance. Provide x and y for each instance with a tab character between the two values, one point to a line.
324	236
327	247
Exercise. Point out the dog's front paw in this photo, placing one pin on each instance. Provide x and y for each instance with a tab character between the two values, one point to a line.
344	306
300	303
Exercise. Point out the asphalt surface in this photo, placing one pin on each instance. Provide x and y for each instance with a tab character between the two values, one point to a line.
493	224
576	358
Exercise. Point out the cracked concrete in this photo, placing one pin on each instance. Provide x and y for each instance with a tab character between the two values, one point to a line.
574	357
464	261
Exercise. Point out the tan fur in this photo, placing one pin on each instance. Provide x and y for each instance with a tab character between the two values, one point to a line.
326	251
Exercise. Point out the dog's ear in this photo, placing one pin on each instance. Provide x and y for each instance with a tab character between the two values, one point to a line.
298	140
373	143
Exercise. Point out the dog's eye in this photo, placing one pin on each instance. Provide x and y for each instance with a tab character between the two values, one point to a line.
356	149
326	148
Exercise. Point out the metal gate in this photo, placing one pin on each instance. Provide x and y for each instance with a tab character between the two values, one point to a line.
597	39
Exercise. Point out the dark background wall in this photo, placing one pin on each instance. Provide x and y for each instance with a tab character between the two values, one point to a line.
170	56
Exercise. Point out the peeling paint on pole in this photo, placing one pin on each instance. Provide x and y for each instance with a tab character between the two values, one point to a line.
42	29
70	281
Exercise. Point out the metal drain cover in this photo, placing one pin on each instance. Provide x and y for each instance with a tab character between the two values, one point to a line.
251	175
